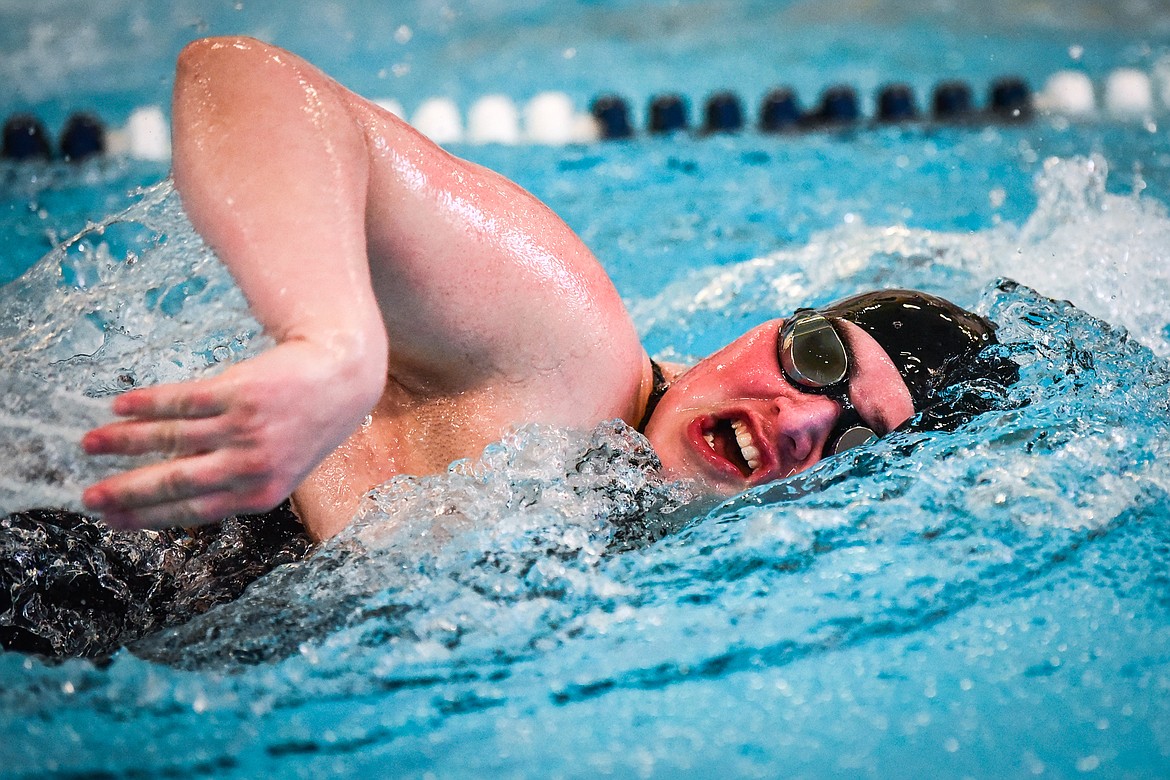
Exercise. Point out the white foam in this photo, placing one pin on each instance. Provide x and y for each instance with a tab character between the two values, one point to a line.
1129	94
439	120
549	119
136	299
586	129
493	119
117	142
1068	92
148	135
1105	252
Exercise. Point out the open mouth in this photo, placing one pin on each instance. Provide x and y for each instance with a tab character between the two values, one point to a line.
731	440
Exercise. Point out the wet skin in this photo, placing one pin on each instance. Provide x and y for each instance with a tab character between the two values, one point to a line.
701	427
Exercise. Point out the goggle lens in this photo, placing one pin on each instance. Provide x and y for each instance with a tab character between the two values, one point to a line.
853	437
811	351
814	357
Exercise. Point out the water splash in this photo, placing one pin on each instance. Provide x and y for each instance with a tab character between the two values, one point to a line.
555	572
496	588
136	299
453	562
1106	253
75	588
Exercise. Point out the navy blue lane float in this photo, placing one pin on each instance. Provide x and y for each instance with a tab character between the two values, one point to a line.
1011	99
952	102
896	104
669	114
780	111
613	117
25	138
838	108
723	113
84	136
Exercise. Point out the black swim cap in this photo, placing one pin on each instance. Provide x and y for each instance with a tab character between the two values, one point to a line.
936	346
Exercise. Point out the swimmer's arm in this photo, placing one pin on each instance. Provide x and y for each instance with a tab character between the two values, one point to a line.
272	171
482	286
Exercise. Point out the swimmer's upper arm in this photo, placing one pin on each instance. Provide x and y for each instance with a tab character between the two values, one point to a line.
338	218
480	281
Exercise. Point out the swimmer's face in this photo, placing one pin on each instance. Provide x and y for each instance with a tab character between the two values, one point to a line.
734	421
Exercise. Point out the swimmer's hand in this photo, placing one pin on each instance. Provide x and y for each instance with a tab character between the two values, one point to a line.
238	442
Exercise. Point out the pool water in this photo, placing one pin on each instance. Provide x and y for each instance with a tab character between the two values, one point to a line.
991	602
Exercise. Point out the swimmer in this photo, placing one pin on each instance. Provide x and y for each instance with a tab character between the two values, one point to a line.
421	305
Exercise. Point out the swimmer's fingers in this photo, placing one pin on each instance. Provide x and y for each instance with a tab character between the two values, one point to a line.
189	512
188	400
191	490
239	442
175	420
171	437
160	483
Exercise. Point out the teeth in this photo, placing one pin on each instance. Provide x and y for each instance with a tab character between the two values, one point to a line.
747	447
710	437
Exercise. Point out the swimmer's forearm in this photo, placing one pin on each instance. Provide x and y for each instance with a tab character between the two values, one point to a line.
273	175
272	172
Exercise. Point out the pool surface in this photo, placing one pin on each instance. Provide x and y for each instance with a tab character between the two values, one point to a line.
993	602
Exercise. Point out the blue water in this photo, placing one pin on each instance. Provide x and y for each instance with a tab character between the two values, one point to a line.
993	602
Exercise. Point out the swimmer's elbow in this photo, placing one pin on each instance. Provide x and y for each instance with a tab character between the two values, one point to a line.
198	55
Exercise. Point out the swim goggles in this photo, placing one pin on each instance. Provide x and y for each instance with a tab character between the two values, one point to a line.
814	360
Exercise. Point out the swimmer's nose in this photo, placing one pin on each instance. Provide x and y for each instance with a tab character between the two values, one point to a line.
803	423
